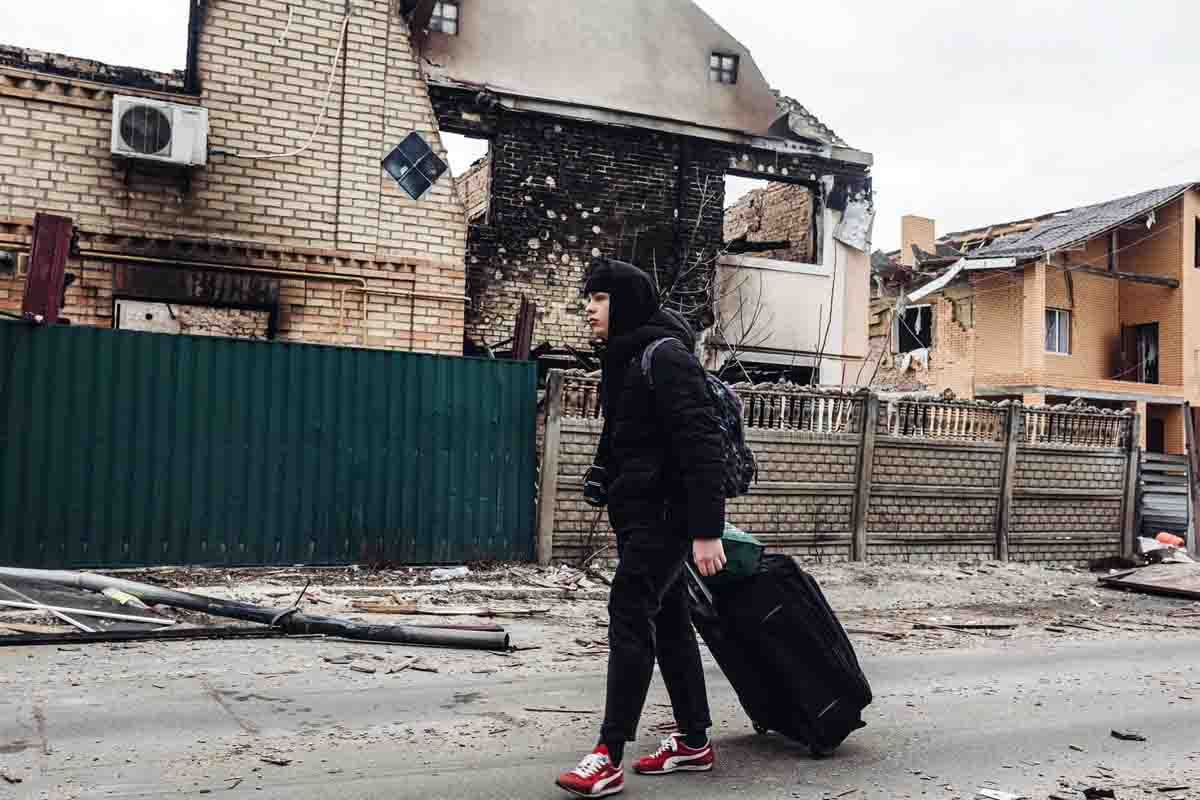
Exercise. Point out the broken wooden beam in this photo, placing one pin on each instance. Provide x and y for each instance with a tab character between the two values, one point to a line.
1134	277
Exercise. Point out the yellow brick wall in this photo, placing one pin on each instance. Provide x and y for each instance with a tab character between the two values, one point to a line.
1190	289
1158	251
475	186
999	313
951	358
774	213
264	94
919	231
1095	324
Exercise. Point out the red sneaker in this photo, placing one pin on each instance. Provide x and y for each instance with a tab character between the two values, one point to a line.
675	756
596	776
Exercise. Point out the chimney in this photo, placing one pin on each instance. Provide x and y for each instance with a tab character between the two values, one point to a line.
918	231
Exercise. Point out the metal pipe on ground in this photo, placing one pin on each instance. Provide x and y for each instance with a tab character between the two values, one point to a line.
290	620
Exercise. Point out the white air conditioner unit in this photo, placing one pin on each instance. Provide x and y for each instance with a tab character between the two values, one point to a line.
156	130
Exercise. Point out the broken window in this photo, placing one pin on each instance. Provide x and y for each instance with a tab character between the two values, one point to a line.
913	330
445	17
771	219
723	68
1058	331
471	167
1139	353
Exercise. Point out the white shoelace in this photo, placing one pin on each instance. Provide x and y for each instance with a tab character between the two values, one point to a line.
669	745
591	764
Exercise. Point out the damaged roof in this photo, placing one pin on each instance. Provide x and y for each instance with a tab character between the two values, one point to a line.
787	105
1077	225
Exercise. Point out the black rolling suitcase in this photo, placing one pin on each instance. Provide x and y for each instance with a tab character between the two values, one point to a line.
784	652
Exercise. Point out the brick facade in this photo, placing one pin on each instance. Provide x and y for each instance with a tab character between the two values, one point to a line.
475	186
564	191
775	213
329	208
990	330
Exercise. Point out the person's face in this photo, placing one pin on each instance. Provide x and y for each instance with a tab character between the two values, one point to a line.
597	314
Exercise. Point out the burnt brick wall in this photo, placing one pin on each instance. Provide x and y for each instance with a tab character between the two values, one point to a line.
564	192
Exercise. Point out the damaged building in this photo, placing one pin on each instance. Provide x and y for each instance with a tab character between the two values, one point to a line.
261	193
607	137
1089	304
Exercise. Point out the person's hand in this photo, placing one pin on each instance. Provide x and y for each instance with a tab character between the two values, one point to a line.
709	555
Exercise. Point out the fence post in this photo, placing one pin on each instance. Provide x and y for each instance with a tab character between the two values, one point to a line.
1008	477
1128	533
548	480
866	467
1189	422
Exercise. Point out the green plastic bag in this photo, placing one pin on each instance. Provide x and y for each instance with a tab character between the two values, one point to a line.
743	556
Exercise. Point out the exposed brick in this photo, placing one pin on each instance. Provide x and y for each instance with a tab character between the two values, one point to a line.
262	96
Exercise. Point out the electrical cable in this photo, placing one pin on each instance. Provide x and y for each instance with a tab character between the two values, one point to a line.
320	119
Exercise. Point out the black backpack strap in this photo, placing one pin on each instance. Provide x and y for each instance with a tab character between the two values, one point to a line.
648	357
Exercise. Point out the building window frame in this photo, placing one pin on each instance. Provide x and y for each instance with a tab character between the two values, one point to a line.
724	67
1058	331
918	329
446	17
1196	254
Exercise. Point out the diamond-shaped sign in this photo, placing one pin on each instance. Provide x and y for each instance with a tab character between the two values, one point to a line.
414	165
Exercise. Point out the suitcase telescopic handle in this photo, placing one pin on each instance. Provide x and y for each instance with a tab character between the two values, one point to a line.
698	590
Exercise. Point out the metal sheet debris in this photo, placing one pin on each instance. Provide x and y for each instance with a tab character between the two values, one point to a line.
1173	580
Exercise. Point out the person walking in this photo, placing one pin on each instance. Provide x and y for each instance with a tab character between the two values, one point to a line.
659	467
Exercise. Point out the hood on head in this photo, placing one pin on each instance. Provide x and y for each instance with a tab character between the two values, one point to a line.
633	297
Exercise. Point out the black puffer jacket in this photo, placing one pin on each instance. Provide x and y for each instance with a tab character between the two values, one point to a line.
661	447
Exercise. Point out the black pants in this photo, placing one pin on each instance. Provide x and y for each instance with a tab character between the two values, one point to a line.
649	619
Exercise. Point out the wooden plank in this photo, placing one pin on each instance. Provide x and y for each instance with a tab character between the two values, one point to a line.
47	267
866	469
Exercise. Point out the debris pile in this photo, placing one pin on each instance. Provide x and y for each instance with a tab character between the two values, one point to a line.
72	595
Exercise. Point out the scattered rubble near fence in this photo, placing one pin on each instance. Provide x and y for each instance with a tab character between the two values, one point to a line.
849	475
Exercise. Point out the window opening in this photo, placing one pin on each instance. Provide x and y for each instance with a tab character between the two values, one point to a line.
1058	331
914	329
723	68
445	17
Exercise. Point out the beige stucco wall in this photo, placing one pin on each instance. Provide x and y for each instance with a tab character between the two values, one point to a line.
635	56
795	301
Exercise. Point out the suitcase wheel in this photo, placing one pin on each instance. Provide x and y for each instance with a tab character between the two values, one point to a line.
761	730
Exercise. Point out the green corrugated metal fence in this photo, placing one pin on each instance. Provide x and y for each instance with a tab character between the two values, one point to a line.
121	449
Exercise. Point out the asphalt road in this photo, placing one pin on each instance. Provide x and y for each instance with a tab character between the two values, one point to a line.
183	724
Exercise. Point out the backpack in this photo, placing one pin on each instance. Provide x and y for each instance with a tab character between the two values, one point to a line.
740	467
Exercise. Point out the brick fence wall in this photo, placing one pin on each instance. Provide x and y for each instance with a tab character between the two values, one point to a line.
947	480
264	73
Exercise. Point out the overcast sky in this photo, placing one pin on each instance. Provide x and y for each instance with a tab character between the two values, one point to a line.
1009	109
